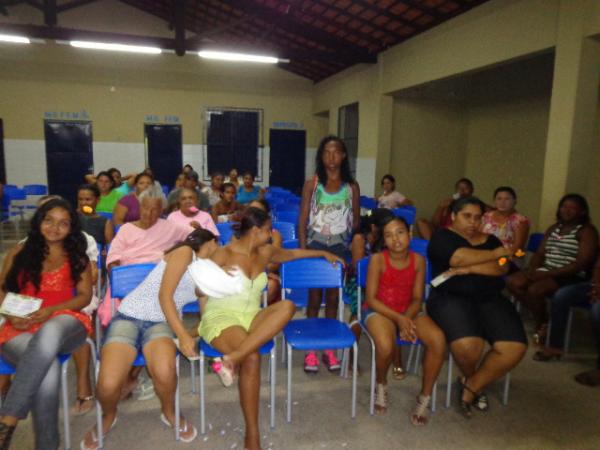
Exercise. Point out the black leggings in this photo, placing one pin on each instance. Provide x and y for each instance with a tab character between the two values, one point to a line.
491	317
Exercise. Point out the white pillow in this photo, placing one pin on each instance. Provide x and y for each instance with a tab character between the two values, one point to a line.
214	281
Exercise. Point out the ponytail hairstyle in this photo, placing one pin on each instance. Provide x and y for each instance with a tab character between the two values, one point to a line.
195	240
252	217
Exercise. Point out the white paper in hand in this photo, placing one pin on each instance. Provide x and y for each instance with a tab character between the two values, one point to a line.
214	281
18	305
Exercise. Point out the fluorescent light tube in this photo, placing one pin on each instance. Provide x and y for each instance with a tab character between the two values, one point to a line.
14	39
229	56
116	47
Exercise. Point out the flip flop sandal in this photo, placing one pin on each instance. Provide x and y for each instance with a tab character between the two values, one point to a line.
95	440
183	429
78	408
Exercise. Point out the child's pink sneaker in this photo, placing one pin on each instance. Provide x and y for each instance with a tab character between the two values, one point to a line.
311	362
331	360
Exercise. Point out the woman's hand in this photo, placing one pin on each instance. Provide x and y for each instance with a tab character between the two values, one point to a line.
187	346
41	315
503	252
408	329
458	271
195	225
19	323
333	259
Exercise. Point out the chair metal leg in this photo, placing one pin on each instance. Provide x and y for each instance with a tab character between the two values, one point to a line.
449	386
567	332
409	361
505	390
283	349
289	383
201	375
272	367
99	412
177	406
354	370
65	404
434	398
193	376
345	359
417	359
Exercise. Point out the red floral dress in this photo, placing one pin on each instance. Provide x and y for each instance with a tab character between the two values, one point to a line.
56	287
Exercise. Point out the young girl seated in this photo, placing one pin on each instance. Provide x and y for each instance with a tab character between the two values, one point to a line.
395	285
51	265
97	226
227	209
236	325
146	321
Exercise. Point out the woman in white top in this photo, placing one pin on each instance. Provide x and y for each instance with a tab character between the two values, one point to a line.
391	198
146	320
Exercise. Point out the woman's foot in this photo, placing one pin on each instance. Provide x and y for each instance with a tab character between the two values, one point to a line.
252	441
481	402
398	373
381	399
6	432
187	431
82	405
546	354
590	378
466	398
420	413
225	370
539	337
90	439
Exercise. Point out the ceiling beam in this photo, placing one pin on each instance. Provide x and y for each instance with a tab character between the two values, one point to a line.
72	4
50	13
386	13
179	25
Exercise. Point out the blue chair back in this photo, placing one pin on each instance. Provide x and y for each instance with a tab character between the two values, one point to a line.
286	229
165	190
288	216
362	269
15	194
367	202
406	213
275	201
10	186
105	214
310	273
225	231
124	279
419	246
535	240
35	189
291	244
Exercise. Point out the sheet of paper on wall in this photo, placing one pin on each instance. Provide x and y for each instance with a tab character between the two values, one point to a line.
19	305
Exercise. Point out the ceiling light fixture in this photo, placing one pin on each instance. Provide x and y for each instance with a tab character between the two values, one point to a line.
14	39
230	56
116	47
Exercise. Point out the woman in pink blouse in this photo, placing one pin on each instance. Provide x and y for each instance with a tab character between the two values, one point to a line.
189	215
504	221
391	198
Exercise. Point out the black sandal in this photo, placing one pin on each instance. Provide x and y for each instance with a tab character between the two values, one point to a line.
465	407
6	432
76	409
481	402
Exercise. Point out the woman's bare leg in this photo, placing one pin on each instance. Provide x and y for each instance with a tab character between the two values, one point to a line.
435	349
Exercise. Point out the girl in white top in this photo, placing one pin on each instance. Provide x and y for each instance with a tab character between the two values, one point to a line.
146	321
391	198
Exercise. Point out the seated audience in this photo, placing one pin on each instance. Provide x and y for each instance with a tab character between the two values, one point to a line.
128	207
442	215
191	182
395	287
147	320
390	198
565	257
51	265
233	178
248	191
108	195
189	215
505	222
187	168
179	181
215	190
469	307
124	185
228	208
236	325
584	295
99	227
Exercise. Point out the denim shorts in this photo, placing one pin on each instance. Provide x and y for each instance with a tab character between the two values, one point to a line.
135	332
340	250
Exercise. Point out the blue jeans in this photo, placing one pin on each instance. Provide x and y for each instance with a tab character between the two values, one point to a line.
37	376
562	301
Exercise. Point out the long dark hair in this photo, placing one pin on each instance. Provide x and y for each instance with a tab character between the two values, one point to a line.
252	217
344	168
195	240
27	264
104	173
581	202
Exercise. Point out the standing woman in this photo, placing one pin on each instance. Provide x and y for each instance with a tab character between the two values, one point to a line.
566	256
128	208
329	214
108	195
505	222
51	265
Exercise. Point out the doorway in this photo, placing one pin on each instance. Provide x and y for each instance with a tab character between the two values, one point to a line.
287	159
163	152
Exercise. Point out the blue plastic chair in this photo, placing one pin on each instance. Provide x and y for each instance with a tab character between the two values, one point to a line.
288	216
287	207
226	232
317	333
123	280
165	189
408	214
535	240
8	369
291	244
275	201
367	202
206	350
35	189
286	229
108	215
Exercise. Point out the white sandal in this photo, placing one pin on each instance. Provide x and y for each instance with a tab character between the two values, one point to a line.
381	398
420	414
95	440
185	428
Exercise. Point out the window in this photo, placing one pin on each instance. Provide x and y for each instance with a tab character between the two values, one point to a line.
233	138
348	131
